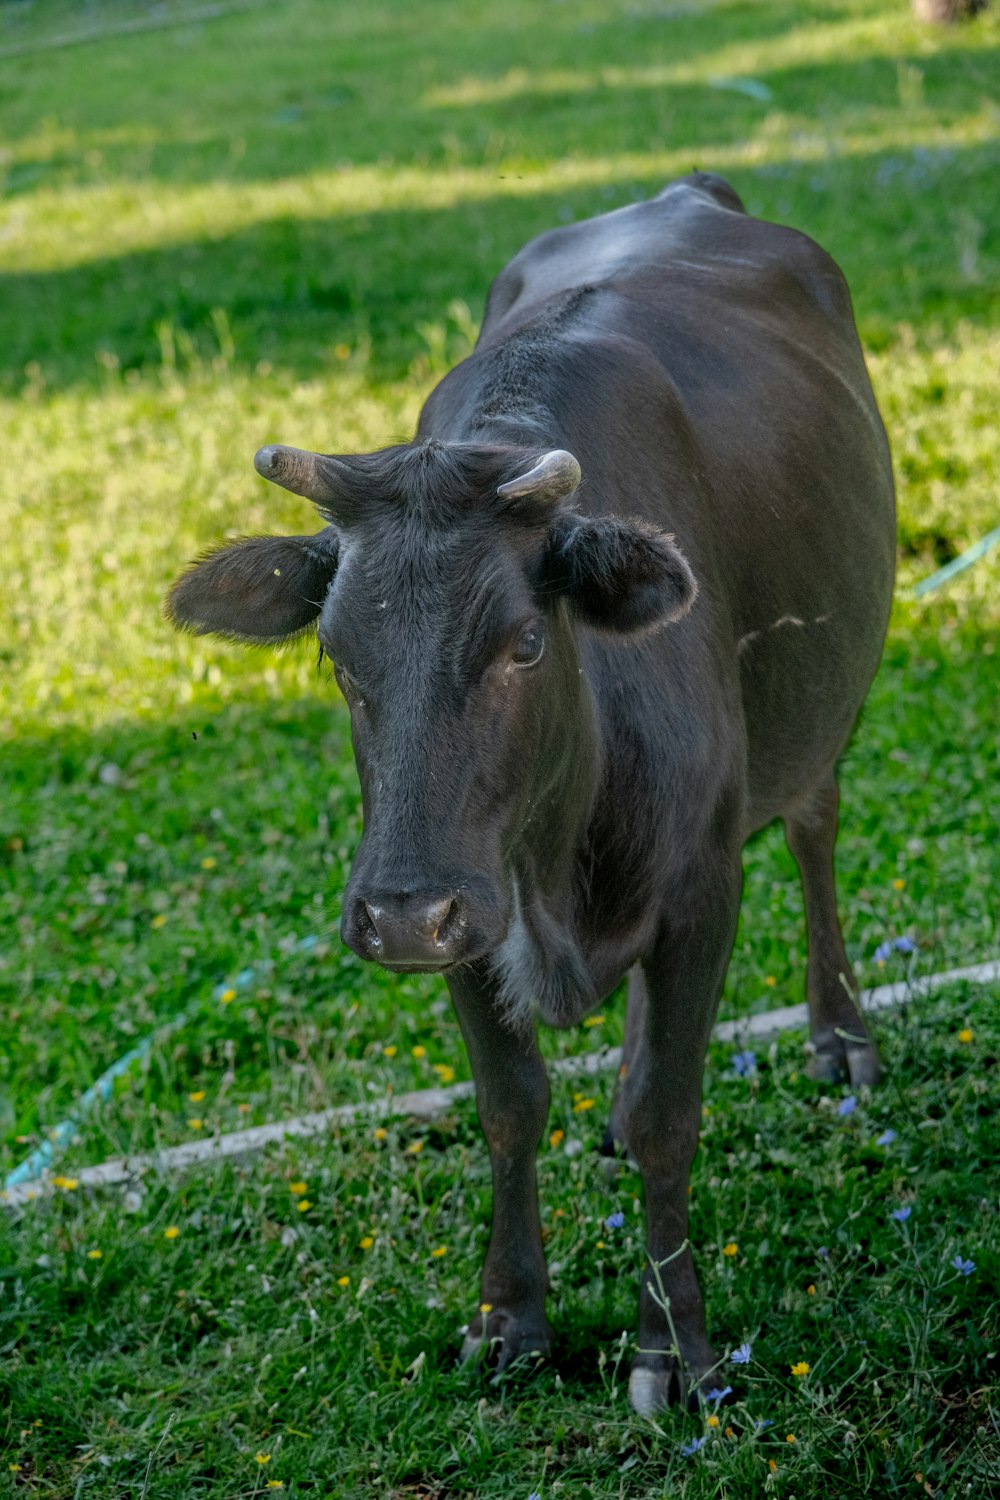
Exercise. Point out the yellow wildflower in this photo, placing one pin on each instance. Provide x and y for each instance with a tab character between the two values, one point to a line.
160	920
582	1104
263	1458
600	1244
367	1242
171	1232
95	1254
730	1432
343	1281
594	1021
966	1034
713	1421
557	1137
298	1188
68	1184
418	1051
899	885
811	1290
381	1134
445	1072
195	1124
770	981
226	996
802	1368
208	863
197	1096
275	1484
485	1307
772	1466
439	1251
244	1109
414	1148
790	1438
303	1205
390	1051
731	1249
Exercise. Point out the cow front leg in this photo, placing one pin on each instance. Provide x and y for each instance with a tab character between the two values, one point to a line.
512	1099
661	1100
841	1043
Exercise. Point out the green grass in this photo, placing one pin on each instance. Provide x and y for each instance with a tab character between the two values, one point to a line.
280	224
264	1329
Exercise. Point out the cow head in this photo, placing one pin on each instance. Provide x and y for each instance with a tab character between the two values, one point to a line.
447	588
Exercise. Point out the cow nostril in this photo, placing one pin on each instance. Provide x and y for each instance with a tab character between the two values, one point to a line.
440	920
368	928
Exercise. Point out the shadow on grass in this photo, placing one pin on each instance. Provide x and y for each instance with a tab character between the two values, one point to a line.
339	86
328	89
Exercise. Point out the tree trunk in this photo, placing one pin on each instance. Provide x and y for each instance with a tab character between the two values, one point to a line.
945	12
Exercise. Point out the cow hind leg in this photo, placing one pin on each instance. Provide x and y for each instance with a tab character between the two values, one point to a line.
613	1144
841	1042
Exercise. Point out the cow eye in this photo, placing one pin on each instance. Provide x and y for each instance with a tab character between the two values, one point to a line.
529	647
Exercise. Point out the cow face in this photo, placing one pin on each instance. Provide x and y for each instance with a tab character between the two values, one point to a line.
447	590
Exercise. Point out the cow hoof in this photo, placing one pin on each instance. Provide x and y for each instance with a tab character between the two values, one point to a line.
654	1388
833	1061
505	1339
863	1066
827	1065
653	1391
649	1391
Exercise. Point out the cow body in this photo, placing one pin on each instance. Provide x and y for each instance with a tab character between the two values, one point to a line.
566	723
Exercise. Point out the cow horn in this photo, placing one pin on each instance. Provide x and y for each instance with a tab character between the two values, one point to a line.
553	478
315	475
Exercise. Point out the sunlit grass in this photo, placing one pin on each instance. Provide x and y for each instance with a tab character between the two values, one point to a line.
867	39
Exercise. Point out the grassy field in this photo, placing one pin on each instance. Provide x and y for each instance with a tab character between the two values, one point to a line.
280	223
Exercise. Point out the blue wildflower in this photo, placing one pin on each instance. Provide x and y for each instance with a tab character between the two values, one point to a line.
823	1253
965	1266
716	1395
692	1447
763	1425
886	1138
741	1356
847	1106
744	1063
614	1221
894	945
901	1214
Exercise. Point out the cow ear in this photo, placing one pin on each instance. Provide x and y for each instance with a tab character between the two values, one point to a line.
262	588
623	577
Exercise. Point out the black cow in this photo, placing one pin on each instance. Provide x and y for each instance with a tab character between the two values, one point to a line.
614	608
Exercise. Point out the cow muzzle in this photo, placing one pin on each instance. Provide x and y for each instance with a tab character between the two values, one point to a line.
408	931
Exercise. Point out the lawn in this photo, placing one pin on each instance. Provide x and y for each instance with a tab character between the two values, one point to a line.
279	223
